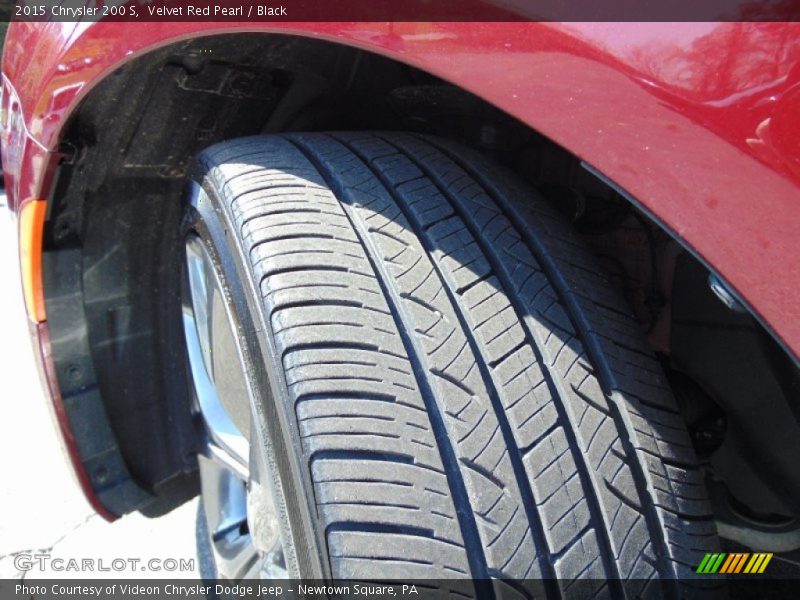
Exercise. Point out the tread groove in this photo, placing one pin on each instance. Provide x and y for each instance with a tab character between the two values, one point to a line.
516	460
498	271
667	581
466	521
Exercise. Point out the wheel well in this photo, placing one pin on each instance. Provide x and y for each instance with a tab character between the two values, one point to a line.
111	241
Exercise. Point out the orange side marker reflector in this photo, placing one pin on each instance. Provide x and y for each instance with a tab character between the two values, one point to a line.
31	232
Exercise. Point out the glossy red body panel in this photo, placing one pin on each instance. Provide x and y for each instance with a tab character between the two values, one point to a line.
700	122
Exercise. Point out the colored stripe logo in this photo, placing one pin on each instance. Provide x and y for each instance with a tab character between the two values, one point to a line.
734	563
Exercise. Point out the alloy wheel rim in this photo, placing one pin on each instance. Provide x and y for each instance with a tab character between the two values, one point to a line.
243	528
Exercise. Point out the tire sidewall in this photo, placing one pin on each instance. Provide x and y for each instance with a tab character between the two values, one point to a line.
276	428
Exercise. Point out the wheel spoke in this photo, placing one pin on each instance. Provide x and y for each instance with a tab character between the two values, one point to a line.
228	460
221	429
224	497
237	558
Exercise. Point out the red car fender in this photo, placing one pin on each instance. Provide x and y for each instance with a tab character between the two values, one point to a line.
690	119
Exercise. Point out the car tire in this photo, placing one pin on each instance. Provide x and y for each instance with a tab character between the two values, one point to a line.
455	390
